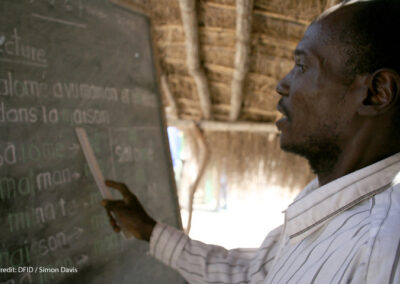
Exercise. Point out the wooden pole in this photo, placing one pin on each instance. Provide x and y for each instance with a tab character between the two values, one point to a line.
171	100
225	126
204	154
244	10
190	26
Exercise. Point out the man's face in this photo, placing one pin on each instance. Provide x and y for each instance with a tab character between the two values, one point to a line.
316	102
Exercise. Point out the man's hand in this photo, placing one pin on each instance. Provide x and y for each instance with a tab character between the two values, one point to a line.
129	212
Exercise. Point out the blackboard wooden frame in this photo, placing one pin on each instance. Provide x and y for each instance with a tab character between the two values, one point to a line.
156	64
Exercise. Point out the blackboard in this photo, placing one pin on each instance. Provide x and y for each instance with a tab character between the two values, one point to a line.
67	64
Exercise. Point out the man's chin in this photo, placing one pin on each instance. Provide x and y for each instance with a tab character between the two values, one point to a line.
288	145
322	154
285	143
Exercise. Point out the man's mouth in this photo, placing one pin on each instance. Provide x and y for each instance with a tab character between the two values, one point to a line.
284	118
283	110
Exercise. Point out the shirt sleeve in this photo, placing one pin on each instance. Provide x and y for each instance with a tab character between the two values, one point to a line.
166	244
202	263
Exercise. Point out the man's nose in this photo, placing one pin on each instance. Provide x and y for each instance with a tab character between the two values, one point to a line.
282	87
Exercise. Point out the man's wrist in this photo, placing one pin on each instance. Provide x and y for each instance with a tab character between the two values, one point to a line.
148	230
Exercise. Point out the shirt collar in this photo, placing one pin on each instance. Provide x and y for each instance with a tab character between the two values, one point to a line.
315	205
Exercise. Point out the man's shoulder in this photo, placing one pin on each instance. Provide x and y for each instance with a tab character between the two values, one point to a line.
377	219
383	245
385	214
386	204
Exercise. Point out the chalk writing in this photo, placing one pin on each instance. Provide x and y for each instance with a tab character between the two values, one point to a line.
46	115
7	154
42	151
29	88
54	242
139	97
31	217
49	115
32	151
28	185
49	179
15	47
15	115
88	116
127	153
75	234
22	88
49	244
15	257
84	91
68	208
51	207
12	187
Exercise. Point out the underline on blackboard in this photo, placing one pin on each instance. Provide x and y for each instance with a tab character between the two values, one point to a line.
43	65
141	127
69	23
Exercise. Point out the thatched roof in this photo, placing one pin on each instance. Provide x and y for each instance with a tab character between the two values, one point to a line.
220	61
197	42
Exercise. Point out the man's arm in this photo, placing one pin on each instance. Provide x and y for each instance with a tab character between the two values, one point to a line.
197	262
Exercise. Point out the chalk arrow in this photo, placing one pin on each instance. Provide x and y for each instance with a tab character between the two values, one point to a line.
76	234
82	259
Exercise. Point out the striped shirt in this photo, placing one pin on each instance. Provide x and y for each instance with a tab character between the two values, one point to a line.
347	231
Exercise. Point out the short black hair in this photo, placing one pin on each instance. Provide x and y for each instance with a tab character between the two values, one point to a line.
371	37
371	41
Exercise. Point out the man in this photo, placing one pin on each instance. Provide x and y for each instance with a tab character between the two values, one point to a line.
341	110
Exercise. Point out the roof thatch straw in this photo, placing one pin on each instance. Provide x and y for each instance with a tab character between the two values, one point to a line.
252	159
256	158
276	27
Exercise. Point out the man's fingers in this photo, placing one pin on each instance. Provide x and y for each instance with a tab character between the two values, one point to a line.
113	222
121	187
110	206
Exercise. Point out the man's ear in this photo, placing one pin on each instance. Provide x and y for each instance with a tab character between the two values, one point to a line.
382	93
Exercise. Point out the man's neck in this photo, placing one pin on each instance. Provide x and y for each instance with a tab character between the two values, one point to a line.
359	153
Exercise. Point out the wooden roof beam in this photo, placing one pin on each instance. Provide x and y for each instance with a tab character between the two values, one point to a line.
225	126
190	26
167	92
244	10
